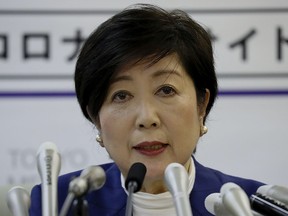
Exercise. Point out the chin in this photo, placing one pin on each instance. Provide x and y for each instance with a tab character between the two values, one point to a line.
155	173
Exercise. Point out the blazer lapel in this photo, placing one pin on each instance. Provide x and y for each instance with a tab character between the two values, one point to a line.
111	198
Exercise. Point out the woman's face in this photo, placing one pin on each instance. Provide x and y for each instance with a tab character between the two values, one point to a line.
151	116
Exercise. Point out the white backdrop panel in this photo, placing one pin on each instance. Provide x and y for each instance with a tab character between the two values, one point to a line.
247	127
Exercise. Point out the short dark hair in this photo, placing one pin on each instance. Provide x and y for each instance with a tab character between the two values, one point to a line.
141	32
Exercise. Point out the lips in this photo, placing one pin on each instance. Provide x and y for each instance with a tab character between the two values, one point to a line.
150	148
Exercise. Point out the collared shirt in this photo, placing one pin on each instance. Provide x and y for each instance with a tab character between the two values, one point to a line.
146	204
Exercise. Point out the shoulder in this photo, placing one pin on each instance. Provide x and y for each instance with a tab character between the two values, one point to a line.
64	180
213	180
208	181
110	169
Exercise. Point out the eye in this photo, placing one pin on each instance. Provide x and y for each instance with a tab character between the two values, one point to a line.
121	96
166	91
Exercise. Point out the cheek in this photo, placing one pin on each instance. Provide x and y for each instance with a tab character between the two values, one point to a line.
186	114
113	126
107	117
109	128
186	123
189	131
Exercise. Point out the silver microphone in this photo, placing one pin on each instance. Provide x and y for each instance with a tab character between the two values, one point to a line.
18	201
49	163
235	200
276	192
95	176
214	205
176	179
91	178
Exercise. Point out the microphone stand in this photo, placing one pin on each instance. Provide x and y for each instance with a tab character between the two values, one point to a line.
80	207
131	189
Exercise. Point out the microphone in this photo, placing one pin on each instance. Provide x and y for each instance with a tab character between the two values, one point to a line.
18	201
95	177
276	192
48	163
91	178
213	204
176	179
133	183
267	206
235	200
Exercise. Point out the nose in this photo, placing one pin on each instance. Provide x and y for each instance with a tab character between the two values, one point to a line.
147	116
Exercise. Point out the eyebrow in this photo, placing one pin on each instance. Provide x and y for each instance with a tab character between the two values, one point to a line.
155	74
166	72
121	78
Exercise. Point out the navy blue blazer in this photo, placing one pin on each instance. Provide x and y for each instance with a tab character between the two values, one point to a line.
111	198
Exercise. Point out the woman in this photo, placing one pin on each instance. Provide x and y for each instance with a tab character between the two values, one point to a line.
145	78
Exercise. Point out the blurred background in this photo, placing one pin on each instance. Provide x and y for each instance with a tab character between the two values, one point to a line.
39	43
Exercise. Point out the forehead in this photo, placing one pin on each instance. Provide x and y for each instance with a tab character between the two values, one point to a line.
167	63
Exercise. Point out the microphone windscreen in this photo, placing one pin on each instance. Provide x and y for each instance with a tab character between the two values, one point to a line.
95	176
18	201
136	174
176	178
211	201
228	186
235	200
47	146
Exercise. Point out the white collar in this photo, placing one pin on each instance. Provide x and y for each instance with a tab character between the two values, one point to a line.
146	204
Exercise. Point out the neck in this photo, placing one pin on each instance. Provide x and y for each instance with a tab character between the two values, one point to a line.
158	186
155	187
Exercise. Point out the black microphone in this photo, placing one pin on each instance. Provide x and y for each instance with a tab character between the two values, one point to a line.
91	178
176	179
276	192
267	206
133	183
18	201
49	163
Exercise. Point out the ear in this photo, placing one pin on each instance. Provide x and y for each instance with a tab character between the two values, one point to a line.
95	120
204	103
